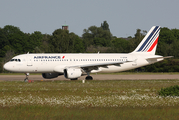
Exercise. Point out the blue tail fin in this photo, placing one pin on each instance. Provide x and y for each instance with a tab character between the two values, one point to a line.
149	43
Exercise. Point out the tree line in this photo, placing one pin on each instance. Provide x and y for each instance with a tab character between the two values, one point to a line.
94	39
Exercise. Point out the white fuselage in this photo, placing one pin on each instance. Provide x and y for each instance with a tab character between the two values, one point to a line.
48	63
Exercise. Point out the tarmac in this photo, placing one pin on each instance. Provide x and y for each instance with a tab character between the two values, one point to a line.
95	77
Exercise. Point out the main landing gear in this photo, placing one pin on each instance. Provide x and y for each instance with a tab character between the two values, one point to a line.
27	77
89	78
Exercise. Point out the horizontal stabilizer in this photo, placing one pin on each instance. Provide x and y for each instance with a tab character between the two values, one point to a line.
154	58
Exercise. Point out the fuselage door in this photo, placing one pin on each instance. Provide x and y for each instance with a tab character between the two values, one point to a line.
29	61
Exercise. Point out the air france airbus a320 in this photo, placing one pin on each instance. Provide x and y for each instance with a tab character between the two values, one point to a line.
73	66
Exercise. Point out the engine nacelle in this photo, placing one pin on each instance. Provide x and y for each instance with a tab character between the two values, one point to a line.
72	73
50	75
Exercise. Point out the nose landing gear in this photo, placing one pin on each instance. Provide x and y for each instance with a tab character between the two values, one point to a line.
27	77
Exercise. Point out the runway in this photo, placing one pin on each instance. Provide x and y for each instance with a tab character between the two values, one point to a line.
95	77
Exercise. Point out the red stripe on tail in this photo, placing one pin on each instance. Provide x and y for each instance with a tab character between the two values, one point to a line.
154	44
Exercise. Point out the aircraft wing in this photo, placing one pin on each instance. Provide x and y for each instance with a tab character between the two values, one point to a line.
90	67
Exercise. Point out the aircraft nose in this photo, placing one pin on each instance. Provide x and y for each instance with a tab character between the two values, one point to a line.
7	66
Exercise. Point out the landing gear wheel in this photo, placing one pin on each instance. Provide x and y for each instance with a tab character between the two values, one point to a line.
89	78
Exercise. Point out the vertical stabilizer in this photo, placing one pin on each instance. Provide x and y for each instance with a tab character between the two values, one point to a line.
149	44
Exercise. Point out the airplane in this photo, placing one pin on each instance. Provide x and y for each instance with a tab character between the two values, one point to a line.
73	65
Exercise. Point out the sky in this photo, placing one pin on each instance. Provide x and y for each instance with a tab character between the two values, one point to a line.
123	16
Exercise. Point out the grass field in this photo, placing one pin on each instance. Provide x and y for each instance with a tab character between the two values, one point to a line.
120	99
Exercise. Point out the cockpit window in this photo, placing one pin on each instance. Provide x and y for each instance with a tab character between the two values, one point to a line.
12	60
16	60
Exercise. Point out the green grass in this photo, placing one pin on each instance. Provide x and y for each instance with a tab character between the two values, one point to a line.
117	99
58	113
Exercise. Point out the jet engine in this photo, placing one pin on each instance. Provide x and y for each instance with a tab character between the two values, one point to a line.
50	75
72	73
